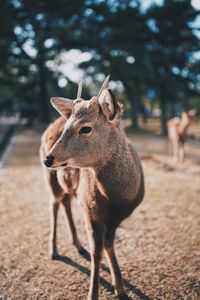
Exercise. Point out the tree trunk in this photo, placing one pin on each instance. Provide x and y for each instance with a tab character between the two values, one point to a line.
134	112
43	95
133	100
163	117
43	101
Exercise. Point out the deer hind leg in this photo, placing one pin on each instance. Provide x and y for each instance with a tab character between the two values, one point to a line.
96	239
181	152
66	201
175	145
117	281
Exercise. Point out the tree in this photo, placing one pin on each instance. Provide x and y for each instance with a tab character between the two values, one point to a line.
119	36
149	50
160	42
171	46
40	30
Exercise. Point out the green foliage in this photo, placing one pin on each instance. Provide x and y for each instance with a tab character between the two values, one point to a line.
147	51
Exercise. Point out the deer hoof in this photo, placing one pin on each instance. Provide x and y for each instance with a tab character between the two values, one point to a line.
54	255
123	296
82	251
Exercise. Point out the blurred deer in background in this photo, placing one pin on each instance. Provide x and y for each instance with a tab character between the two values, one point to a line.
177	131
88	142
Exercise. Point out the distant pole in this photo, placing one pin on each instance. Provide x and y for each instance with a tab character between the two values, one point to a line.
43	95
163	116
134	106
134	113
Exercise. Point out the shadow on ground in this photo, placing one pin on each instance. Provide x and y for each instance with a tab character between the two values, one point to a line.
102	281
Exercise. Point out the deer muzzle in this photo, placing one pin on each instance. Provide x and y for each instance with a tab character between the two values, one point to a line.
48	161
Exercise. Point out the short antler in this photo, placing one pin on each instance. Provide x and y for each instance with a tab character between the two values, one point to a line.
104	85
80	87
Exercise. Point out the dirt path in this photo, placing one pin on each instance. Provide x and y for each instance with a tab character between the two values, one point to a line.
158	246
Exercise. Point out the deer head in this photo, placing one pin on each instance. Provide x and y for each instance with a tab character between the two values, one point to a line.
189	116
88	131
192	114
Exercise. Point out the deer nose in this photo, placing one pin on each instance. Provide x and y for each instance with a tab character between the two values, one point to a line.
48	161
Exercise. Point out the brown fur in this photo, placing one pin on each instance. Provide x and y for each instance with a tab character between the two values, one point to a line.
62	185
111	179
177	131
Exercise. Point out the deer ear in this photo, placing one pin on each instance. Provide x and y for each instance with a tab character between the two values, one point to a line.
110	107
63	106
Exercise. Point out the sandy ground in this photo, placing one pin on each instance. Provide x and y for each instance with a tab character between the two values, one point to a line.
158	247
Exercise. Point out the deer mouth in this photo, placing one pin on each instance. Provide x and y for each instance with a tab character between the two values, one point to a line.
59	167
64	165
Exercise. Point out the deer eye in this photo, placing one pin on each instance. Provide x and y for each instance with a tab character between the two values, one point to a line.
85	130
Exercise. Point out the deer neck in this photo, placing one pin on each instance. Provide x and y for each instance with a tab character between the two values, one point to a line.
184	124
119	175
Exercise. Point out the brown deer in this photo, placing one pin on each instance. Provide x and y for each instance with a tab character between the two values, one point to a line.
177	131
89	145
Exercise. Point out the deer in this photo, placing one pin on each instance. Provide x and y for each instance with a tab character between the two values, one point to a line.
177	132
88	146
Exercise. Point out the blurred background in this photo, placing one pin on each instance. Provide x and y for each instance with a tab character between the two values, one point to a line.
151	49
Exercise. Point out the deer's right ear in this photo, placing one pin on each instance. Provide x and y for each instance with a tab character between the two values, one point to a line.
110	107
63	106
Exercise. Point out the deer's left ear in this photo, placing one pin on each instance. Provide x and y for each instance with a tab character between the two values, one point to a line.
63	106
110	107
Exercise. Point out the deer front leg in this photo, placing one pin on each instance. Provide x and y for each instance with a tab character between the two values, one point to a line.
96	239
54	205
66	201
117	281
181	153
175	146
